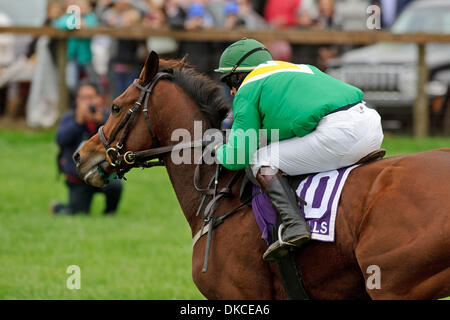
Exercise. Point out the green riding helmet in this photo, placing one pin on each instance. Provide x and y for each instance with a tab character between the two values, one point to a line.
243	56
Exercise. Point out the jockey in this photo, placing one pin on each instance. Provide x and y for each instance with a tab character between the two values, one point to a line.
312	122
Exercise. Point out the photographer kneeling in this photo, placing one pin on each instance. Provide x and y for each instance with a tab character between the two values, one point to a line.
76	127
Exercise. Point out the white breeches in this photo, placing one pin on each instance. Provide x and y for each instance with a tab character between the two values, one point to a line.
340	139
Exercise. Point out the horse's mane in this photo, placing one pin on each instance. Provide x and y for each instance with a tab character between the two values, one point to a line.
205	92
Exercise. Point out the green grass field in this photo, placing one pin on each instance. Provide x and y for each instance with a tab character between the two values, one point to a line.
144	252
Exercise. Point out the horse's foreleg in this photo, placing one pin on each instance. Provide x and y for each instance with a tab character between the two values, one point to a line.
236	270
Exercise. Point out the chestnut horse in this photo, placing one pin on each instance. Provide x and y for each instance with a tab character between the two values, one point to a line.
393	213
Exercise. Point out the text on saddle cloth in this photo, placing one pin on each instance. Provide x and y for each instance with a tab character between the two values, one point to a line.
321	191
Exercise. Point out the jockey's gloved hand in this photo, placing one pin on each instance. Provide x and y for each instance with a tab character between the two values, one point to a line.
216	139
214	146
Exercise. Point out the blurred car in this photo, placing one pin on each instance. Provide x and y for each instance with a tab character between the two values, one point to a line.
387	72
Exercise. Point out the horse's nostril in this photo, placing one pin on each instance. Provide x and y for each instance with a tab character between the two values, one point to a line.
76	158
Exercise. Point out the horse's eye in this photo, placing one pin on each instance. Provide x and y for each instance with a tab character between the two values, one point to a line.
115	109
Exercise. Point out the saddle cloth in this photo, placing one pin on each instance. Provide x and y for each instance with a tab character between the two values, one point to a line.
321	191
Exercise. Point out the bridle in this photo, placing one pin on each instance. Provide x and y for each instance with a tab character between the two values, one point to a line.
139	158
114	153
145	159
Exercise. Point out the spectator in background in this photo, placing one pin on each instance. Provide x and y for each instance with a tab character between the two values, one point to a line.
124	63
156	18
232	19
317	14
79	50
325	19
305	20
198	17
217	10
308	12
75	127
307	54
199	54
113	14
281	50
241	14
176	15
54	11
42	99
101	6
281	14
252	20
258	6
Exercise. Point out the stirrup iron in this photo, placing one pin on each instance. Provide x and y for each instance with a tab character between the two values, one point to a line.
280	239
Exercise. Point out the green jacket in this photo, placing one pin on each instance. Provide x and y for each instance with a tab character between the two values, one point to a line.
78	49
284	96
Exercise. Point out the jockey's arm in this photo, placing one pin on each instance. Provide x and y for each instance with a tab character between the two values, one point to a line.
243	140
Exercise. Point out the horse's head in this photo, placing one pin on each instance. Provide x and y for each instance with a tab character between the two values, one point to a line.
106	152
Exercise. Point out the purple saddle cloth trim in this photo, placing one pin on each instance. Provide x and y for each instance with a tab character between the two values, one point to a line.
265	213
322	193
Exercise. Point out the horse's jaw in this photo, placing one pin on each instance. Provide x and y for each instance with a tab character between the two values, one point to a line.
90	172
93	178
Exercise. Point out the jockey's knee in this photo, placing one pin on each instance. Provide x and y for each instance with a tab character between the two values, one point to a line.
263	159
260	170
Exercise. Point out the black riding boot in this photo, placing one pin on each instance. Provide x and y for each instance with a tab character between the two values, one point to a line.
296	231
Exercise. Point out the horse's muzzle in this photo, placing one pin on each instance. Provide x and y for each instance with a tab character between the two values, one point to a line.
76	155
88	165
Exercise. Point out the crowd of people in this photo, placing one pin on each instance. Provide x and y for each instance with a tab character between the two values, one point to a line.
113	64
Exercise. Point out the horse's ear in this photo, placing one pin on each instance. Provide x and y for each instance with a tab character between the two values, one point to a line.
150	68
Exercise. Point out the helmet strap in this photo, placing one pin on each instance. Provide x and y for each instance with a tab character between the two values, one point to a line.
245	56
235	80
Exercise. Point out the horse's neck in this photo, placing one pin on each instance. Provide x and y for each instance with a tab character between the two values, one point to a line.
182	175
182	179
